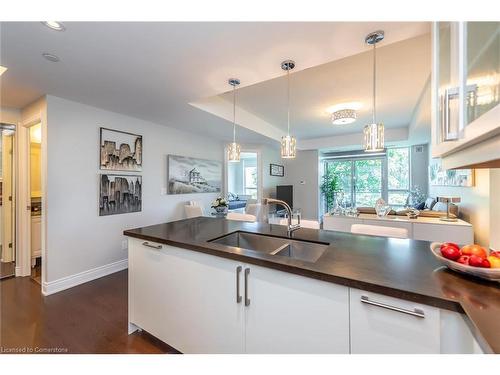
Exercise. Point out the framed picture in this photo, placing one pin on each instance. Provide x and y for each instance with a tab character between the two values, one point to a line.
190	175
119	194
452	177
276	170
120	151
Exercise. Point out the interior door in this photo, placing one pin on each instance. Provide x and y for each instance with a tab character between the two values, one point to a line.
293	314
367	182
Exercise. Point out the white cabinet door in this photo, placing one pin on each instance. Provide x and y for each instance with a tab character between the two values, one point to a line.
185	298
461	234
294	314
389	223
339	223
382	324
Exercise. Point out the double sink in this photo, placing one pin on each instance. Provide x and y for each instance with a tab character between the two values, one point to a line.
296	249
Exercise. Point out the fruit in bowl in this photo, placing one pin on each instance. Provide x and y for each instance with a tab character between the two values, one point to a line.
477	261
471	259
450	251
494	261
474	250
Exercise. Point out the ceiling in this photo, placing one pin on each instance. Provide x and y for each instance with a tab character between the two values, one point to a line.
403	69
154	70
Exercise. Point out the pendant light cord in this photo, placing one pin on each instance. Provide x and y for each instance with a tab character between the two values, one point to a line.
374	80
234	114
288	100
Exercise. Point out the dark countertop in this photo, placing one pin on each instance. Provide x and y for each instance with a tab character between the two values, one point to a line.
400	268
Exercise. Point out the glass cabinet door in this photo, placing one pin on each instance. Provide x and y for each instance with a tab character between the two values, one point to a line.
482	68
448	81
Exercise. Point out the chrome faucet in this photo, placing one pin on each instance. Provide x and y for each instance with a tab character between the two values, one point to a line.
291	227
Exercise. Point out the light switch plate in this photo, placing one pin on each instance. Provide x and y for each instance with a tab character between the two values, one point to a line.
163	191
124	245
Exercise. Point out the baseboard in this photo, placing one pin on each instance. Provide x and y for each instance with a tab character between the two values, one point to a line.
18	271
67	282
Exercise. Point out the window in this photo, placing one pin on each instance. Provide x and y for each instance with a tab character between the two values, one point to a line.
251	181
364	179
398	176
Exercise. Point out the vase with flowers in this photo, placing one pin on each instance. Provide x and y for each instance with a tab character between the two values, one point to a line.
220	205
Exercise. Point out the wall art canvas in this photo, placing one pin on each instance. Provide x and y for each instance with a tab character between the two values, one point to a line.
190	175
452	177
119	194
276	170
120	151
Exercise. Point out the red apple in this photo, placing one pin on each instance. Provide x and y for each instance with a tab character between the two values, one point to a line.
477	261
495	254
450	244
450	252
474	250
464	259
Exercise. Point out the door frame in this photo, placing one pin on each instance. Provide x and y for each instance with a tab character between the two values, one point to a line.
24	196
260	168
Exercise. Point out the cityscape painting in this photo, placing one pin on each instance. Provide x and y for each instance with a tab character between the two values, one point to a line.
190	175
120	151
119	194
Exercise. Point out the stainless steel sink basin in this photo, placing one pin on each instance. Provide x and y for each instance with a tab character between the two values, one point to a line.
296	249
301	250
251	241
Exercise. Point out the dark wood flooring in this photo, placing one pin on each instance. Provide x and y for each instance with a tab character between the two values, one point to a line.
89	318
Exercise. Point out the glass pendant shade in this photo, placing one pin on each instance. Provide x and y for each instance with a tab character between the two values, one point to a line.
374	137
233	152
374	132
288	147
234	149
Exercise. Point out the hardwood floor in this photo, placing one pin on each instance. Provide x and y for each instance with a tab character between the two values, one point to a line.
89	318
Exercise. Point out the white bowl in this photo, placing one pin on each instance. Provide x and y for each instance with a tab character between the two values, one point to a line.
492	274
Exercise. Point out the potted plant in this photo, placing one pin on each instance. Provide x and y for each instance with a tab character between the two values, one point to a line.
219	205
330	186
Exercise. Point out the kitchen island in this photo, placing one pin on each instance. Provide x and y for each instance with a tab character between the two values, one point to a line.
358	294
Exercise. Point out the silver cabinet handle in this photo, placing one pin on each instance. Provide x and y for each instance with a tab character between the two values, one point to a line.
157	247
415	312
238	296
247	300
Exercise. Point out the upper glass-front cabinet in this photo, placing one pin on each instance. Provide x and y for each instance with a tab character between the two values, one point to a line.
465	84
483	68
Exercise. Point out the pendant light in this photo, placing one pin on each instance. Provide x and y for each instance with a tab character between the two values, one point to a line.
234	149
374	133
288	142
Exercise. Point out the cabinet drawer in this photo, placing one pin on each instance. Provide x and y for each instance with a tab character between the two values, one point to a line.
460	234
381	324
393	224
340	224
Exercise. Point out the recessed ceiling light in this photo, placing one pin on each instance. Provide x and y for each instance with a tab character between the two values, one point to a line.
3	69
343	116
54	25
50	57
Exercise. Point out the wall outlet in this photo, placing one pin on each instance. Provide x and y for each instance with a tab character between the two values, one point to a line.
124	245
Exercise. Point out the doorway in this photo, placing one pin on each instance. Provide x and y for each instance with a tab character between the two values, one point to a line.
243	180
35	199
7	209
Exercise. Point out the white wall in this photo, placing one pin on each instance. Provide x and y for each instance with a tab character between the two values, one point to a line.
10	115
494	209
420	168
303	173
475	205
78	239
